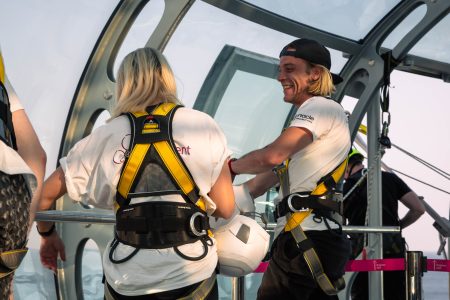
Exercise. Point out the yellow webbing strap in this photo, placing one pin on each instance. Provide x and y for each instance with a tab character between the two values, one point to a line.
315	266
10	261
310	255
131	168
168	156
2	69
297	218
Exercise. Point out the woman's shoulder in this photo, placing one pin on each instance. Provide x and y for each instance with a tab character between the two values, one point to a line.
193	113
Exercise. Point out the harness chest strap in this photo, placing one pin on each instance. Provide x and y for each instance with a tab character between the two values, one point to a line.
169	157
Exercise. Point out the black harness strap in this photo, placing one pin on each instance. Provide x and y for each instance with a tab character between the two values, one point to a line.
7	134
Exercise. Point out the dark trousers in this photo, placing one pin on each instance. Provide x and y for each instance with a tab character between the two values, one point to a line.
168	295
288	275
393	282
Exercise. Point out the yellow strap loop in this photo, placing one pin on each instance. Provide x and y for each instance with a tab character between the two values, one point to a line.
2	69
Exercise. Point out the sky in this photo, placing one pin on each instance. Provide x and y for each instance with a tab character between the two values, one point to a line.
46	46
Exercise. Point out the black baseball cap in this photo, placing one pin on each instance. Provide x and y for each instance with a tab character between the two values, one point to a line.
311	51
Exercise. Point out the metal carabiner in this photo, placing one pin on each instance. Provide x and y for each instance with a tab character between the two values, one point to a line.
192	225
289	203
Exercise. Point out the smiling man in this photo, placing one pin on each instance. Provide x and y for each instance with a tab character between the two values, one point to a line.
307	160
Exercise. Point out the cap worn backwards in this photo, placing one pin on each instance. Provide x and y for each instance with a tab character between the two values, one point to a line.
311	51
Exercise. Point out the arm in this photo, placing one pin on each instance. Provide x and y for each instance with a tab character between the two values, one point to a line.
261	183
222	194
31	151
291	140
416	209
51	246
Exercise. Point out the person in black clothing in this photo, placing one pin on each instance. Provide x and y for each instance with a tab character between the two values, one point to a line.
394	246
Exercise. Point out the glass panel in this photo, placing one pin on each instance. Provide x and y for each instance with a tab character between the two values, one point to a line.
91	271
31	279
350	19
435	44
195	45
141	30
404	27
255	105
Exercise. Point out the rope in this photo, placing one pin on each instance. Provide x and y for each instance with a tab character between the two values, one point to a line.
423	182
364	174
425	163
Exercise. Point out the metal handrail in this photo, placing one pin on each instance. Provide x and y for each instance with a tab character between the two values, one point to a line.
109	218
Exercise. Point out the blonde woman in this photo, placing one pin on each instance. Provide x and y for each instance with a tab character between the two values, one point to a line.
161	249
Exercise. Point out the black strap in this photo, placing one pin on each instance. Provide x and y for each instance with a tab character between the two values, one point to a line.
7	132
301	201
157	225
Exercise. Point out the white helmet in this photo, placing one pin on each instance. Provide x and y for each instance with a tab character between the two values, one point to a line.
243	204
241	245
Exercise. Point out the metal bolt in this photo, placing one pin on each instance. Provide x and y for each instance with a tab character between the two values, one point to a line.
371	62
107	95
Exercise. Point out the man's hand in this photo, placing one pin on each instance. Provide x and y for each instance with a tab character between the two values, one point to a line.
51	247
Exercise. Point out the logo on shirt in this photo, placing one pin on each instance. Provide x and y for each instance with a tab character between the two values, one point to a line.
303	117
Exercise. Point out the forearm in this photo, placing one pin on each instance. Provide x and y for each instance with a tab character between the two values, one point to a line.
31	151
255	162
54	187
415	206
258	185
410	218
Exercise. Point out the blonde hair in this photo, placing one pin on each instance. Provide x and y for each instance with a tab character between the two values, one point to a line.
144	78
323	86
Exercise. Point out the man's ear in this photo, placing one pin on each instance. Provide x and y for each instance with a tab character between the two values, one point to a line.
316	72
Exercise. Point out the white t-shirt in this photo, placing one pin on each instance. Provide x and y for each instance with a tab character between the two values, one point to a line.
10	161
328	123
92	170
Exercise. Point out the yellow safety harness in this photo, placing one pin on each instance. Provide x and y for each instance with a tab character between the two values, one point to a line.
325	200
153	167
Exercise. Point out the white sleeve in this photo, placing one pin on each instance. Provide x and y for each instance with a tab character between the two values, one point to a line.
86	179
219	149
312	116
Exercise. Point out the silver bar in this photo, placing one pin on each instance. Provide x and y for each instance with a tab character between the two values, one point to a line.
109	218
371	229
374	207
75	216
413	275
237	288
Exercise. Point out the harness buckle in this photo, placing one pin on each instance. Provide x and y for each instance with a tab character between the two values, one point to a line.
192	225
289	203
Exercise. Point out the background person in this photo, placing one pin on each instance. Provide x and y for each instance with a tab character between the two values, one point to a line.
91	171
355	206
22	168
316	142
